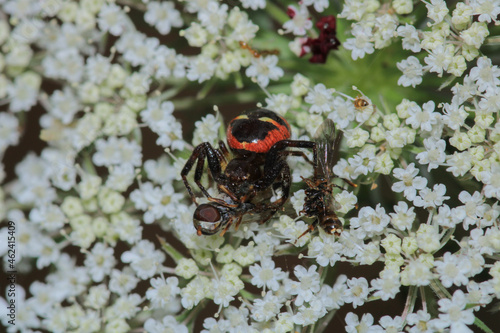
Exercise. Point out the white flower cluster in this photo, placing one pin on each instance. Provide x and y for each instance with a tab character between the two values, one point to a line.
454	37
104	231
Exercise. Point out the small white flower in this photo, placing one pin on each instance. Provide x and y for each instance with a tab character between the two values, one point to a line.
411	41
325	249
403	217
224	291
97	296
355	10
387	286
161	170
437	10
354	325
49	252
307	285
439	59
422	322
428	238
279	103
319	5
320	99
201	68
447	217
97	68
489	177
206	129
475	35
473	208
343	112
114	151
267	275
266	308
488	10
357	138
361	43
254	4
23	96
416	273
333	298
111	18
423	118
144	259
412	72
162	291
452	271
44	298
100	261
163	16
49	217
300	20
120	177
454	312
308	315
168	324
213	17
157	202
410	182
264	69
196	290
357	292
122	282
431	198
370	221
434	155
392	324
485	74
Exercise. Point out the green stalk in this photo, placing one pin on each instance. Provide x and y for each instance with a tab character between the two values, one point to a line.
276	12
439	289
170	250
410	301
479	323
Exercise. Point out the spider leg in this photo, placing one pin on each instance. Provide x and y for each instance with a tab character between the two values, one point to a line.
213	156
199	173
275	161
296	153
223	149
197	155
222	154
285	185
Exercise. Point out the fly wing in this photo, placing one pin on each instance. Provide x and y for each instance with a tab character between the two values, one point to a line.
327	143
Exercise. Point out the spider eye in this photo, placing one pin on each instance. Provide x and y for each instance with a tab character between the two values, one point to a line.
207	219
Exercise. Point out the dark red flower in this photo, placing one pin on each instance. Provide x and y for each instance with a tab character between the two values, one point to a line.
327	40
327	23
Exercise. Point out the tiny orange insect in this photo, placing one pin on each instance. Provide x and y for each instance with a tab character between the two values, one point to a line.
360	102
256	53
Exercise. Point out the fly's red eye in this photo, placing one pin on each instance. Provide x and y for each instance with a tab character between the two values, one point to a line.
207	213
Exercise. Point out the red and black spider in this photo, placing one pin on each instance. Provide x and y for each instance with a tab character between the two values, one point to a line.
319	202
258	140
